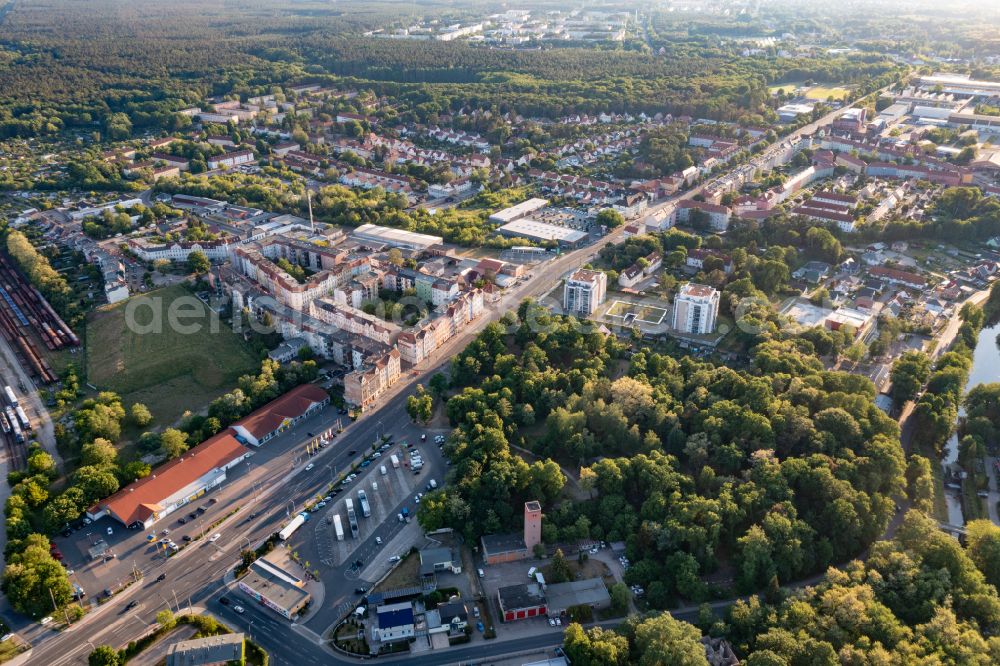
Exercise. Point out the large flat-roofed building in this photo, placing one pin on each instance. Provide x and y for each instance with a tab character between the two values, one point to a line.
696	308
281	414
407	240
273	586
174	484
584	292
518	211
540	231
956	84
208	651
790	112
560	597
849	318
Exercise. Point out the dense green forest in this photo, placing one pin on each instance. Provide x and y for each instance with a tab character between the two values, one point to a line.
777	471
131	66
919	599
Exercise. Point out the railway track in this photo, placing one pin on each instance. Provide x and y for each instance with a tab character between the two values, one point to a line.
17	453
24	310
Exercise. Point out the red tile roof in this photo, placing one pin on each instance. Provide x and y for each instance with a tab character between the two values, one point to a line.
140	499
292	405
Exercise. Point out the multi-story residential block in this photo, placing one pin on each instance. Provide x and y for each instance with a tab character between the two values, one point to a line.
180	250
417	344
231	159
718	216
354	321
584	292
696	309
365	385
256	263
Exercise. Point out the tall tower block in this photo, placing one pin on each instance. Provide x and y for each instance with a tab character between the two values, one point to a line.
532	524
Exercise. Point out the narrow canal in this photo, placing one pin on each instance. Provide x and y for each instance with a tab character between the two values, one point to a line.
985	369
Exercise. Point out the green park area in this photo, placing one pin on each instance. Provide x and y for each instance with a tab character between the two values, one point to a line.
817	93
823	93
134	350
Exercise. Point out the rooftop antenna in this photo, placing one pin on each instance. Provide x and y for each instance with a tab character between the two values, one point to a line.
312	224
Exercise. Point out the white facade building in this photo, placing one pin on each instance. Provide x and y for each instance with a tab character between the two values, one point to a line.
584	292
696	309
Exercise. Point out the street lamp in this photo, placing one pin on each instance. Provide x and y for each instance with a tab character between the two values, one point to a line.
291	503
250	629
333	471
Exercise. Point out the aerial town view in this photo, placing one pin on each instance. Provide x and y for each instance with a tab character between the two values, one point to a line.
505	333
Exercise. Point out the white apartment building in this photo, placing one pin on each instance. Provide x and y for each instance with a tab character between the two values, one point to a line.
180	251
696	309
231	159
584	292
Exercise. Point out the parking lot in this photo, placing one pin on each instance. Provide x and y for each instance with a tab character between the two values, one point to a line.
389	491
125	554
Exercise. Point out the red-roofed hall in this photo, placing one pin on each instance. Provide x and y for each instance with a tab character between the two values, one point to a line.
281	414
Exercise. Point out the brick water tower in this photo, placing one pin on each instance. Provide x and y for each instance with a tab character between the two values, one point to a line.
532	525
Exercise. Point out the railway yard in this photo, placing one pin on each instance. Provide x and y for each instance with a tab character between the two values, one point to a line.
27	320
23	312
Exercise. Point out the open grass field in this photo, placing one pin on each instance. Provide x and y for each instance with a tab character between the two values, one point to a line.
822	93
787	87
818	93
169	370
